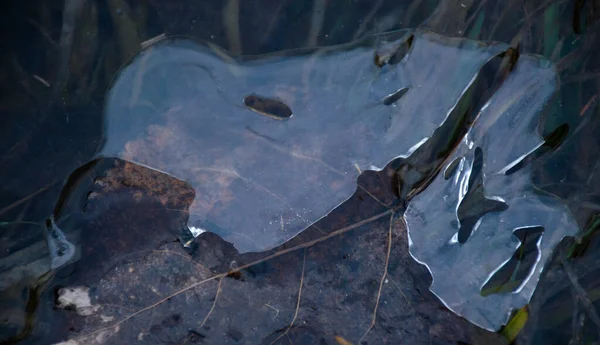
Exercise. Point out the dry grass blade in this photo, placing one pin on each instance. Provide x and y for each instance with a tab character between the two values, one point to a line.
214	303
582	295
316	22
367	20
587	106
381	282
235	174
153	40
340	340
297	302
373	196
19	202
41	80
297	154
274	309
405	298
70	13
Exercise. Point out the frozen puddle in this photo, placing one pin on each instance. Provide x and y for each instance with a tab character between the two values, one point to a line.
272	144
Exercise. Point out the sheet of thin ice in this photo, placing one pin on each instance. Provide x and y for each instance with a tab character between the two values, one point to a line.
506	130
178	108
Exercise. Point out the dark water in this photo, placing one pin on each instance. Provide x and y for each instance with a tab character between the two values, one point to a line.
349	277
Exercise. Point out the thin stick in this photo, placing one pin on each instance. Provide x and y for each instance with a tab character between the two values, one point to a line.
214	303
363	25
297	154
43	31
273	308
273	23
297	302
587	105
235	174
316	22
41	80
373	196
582	295
153	40
70	13
387	261
406	299
19	202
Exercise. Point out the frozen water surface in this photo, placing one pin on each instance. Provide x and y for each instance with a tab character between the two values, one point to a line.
271	144
191	111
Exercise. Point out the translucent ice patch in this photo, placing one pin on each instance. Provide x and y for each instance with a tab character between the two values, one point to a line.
480	227
273	143
61	250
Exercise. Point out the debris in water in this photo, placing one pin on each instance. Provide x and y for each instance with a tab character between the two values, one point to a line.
77	298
